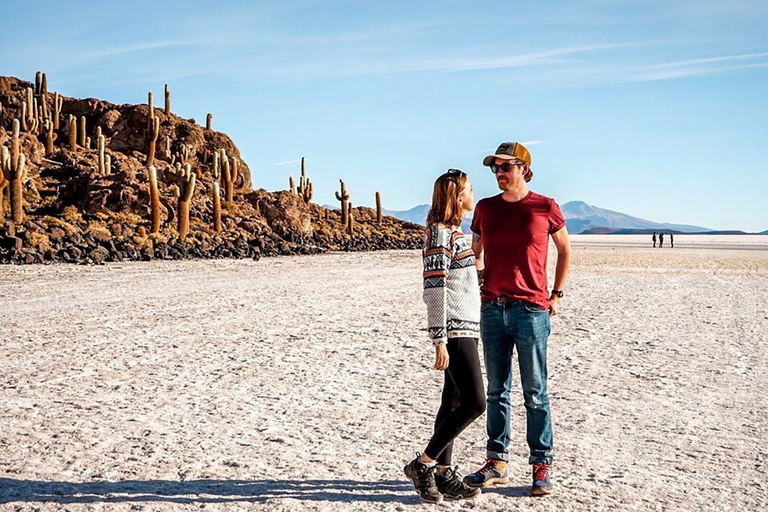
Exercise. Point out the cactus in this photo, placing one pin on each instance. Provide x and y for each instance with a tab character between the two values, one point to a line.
44	97
167	101
72	133
152	136
82	139
154	199
38	82
235	171
185	181
226	175
108	164
102	160
216	192
208	119
327	211
14	171
305	185
142	232
378	208
151	115
3	185
350	221
50	136
58	102
343	197
292	185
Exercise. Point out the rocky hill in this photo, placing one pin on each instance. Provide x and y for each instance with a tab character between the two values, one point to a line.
88	181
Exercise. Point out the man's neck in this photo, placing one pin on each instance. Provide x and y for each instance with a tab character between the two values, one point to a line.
515	194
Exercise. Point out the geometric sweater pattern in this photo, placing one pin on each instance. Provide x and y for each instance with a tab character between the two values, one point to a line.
451	290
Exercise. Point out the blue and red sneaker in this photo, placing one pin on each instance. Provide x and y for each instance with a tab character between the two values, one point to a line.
542	483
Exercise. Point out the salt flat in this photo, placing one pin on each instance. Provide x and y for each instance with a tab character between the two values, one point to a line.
305	383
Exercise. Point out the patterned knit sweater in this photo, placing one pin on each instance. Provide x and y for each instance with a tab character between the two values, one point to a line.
451	290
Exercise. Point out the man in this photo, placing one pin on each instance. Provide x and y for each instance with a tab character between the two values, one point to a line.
654	239
510	239
661	239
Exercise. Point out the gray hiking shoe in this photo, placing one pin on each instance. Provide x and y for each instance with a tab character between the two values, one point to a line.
423	478
452	488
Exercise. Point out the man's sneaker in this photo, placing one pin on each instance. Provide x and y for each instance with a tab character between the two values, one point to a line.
423	478
542	484
451	487
488	475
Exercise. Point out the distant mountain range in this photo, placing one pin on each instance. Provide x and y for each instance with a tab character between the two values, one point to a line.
581	217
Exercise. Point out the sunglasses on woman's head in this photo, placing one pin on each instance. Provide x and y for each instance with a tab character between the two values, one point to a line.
455	174
505	167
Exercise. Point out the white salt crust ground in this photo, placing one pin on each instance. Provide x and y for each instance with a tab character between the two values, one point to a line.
304	383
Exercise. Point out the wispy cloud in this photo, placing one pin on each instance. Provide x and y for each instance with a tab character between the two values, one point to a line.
532	143
701	66
287	162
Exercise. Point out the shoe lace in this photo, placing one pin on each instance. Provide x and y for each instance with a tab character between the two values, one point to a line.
540	471
490	465
453	479
426	477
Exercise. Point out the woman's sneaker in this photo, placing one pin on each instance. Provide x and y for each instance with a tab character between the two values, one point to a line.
542	484
490	474
451	487
423	478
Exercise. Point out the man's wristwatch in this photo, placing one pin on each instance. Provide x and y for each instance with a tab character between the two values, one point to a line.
557	293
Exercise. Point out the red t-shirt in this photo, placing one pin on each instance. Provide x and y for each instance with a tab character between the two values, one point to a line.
515	239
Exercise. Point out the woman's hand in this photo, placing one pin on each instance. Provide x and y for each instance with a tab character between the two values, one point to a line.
441	357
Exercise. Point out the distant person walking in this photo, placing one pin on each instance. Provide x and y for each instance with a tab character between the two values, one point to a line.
661	239
654	239
452	296
511	238
672	240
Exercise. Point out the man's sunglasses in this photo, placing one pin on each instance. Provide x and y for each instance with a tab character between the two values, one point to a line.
505	167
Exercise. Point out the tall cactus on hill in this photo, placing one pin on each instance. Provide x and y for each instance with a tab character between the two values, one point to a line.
50	136
184	179
14	171
72	133
378	208
152	134
167	101
58	102
305	185
154	198
83	141
343	197
208	119
216	195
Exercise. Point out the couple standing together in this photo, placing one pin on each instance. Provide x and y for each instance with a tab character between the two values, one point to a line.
494	287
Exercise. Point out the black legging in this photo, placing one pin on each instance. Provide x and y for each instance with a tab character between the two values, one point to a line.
463	398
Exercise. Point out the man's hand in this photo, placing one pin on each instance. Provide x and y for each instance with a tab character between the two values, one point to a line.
441	357
553	302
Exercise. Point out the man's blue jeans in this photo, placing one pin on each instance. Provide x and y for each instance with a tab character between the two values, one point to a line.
525	326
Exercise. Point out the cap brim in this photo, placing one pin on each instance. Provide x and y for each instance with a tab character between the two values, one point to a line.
487	161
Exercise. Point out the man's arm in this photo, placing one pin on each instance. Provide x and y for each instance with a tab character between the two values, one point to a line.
563	246
477	248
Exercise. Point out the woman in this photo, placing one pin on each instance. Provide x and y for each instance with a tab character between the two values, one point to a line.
452	296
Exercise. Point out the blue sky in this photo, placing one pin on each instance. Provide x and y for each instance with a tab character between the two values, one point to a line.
657	109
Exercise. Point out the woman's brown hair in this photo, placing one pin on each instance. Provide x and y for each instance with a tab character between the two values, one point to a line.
445	199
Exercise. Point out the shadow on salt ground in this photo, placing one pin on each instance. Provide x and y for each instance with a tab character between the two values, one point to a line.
205	491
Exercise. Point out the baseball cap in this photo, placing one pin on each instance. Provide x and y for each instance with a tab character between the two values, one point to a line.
509	151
